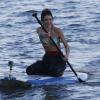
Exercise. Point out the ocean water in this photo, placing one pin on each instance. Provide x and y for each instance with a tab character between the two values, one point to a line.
80	22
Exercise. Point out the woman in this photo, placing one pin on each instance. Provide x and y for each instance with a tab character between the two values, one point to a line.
52	64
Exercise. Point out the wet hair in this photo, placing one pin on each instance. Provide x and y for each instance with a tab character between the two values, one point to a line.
44	13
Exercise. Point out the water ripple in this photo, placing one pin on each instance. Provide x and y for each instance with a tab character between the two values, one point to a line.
19	42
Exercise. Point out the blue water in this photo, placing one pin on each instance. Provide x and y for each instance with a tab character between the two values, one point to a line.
80	22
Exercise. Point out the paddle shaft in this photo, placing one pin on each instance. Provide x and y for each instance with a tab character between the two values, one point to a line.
35	15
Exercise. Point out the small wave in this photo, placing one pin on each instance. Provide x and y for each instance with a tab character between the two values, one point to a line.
26	13
76	25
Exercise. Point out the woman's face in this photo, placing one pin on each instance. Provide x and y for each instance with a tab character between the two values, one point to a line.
48	20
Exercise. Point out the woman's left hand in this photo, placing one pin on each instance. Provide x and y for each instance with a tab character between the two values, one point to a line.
65	58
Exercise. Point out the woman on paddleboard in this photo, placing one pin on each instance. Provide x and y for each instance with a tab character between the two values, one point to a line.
52	63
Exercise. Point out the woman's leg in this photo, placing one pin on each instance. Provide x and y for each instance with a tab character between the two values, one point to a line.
50	65
35	68
56	70
55	66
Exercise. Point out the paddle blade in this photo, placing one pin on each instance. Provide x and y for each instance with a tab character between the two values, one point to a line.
83	78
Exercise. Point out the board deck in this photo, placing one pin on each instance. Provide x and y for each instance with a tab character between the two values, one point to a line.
11	83
46	80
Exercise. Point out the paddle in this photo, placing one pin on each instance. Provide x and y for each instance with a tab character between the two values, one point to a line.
79	79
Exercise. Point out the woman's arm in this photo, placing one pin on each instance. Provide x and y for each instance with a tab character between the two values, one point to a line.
65	43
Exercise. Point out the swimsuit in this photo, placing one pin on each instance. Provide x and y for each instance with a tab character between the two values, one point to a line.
47	42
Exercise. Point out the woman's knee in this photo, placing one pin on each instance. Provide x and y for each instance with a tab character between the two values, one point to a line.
29	70
34	68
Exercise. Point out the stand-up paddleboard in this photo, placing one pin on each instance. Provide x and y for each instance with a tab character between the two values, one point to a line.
11	83
37	80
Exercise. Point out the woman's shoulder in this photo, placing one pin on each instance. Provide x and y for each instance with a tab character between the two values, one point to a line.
57	29
39	29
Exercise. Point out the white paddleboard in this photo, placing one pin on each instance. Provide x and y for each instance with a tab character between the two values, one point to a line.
68	78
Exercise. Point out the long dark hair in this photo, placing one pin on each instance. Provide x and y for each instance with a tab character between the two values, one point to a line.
44	13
